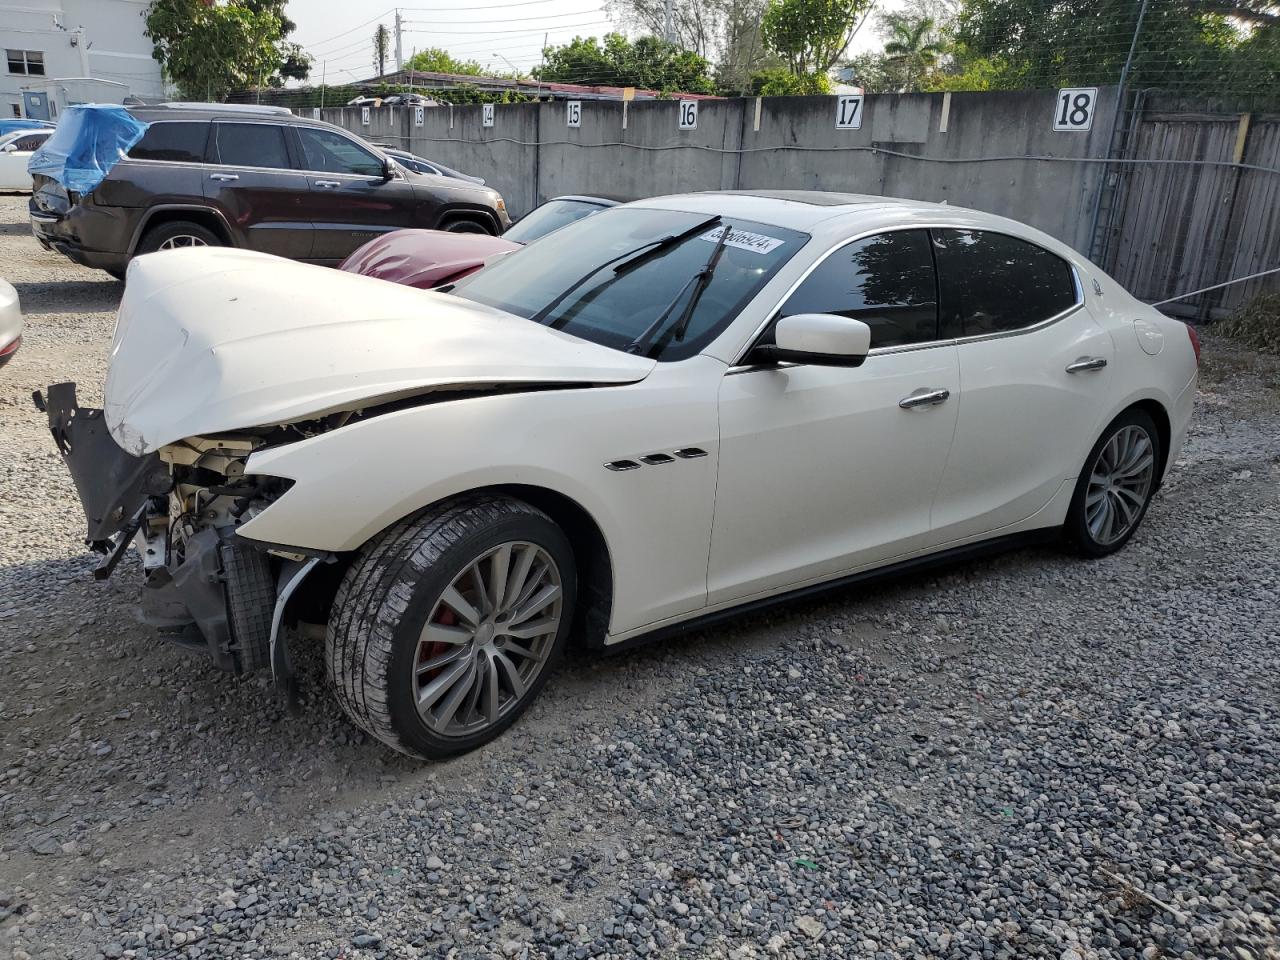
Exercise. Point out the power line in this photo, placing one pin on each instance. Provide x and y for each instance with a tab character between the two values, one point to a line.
321	43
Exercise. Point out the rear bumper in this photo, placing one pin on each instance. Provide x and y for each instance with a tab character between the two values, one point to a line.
1179	420
75	237
8	351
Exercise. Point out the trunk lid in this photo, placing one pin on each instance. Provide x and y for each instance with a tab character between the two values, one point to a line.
211	340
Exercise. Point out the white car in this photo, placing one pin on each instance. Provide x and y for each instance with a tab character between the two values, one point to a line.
10	322
680	408
15	150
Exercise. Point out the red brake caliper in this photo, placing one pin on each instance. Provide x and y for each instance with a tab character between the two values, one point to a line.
429	651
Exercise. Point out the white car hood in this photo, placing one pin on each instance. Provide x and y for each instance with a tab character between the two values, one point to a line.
212	340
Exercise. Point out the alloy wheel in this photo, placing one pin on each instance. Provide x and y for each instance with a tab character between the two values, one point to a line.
181	240
489	635
1119	484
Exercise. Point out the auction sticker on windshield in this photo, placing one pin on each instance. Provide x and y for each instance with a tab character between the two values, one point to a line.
745	240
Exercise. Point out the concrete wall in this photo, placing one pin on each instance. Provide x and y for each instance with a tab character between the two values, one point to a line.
903	149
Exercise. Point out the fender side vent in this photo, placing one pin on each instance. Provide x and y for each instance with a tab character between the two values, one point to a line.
690	453
655	458
620	465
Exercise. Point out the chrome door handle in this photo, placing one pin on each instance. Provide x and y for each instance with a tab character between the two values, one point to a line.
924	398
1086	363
224	176
328	183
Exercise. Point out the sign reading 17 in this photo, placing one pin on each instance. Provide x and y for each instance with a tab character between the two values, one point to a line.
849	112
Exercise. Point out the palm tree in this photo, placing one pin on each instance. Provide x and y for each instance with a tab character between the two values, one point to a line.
381	44
912	49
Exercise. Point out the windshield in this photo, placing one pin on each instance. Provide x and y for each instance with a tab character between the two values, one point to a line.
552	215
633	280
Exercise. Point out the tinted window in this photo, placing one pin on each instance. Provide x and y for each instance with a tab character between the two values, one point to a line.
624	276
329	152
552	215
32	142
886	281
991	282
250	145
179	142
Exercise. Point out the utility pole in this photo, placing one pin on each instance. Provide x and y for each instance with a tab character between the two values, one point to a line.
399	39
666	21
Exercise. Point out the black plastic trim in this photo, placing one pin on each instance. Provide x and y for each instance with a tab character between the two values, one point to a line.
941	558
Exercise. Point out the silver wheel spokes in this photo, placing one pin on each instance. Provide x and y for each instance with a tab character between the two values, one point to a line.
182	240
1119	484
487	639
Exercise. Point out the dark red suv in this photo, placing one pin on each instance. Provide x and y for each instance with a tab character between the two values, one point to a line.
254	177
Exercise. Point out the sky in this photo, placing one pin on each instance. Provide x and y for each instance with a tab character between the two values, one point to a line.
338	33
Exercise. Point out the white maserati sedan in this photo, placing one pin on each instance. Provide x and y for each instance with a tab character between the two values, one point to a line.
661	414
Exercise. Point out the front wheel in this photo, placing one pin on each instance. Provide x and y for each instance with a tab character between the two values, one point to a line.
1116	485
444	628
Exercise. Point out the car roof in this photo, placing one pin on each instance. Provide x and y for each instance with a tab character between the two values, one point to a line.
794	209
26	132
154	112
599	199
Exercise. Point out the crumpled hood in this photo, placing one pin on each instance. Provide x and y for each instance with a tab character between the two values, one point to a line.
210	340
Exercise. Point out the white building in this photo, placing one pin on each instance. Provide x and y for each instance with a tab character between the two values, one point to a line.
59	52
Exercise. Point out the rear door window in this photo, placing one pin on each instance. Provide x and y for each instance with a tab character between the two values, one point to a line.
324	151
886	281
994	283
173	140
250	145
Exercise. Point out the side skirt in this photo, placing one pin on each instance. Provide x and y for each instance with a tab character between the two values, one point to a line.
943	558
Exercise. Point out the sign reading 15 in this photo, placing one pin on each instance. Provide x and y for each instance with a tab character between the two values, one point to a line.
574	113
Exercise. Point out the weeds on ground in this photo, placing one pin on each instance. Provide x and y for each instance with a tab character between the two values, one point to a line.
1256	324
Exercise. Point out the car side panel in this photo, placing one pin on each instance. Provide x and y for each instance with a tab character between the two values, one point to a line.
656	519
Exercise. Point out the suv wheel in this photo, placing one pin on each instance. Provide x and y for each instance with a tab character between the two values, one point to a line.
467	226
176	234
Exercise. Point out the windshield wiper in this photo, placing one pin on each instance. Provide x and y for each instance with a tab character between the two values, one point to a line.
623	262
699	282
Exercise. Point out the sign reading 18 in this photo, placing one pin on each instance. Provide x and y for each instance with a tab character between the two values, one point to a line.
1074	108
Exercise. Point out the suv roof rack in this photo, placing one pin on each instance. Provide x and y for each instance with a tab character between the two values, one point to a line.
224	107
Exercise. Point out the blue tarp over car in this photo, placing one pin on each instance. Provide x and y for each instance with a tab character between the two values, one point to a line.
89	140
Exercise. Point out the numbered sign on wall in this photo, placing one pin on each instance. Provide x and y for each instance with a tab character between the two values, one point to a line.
1073	110
364	116
849	112
315	113
486	116
688	114
574	113
419	116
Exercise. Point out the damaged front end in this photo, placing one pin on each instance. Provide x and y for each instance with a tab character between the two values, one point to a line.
181	505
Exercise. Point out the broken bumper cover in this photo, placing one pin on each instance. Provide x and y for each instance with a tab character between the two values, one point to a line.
117	490
113	485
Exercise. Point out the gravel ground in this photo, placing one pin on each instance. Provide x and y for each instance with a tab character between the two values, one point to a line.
1030	756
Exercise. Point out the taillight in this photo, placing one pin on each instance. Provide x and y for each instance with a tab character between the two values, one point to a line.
1195	341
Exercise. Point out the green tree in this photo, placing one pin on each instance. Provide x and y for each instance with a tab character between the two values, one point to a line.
912	50
437	60
811	35
295	61
781	82
649	63
209	49
381	47
1210	46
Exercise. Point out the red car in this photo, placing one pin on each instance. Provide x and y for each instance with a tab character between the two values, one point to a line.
432	258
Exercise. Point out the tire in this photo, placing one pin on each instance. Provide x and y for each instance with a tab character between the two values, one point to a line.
376	643
181	233
1121	491
467	226
251	599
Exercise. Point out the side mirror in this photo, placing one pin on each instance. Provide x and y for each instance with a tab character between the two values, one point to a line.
820	339
9	148
388	168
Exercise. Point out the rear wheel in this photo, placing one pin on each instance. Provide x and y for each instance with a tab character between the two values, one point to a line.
444	628
1116	485
177	234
